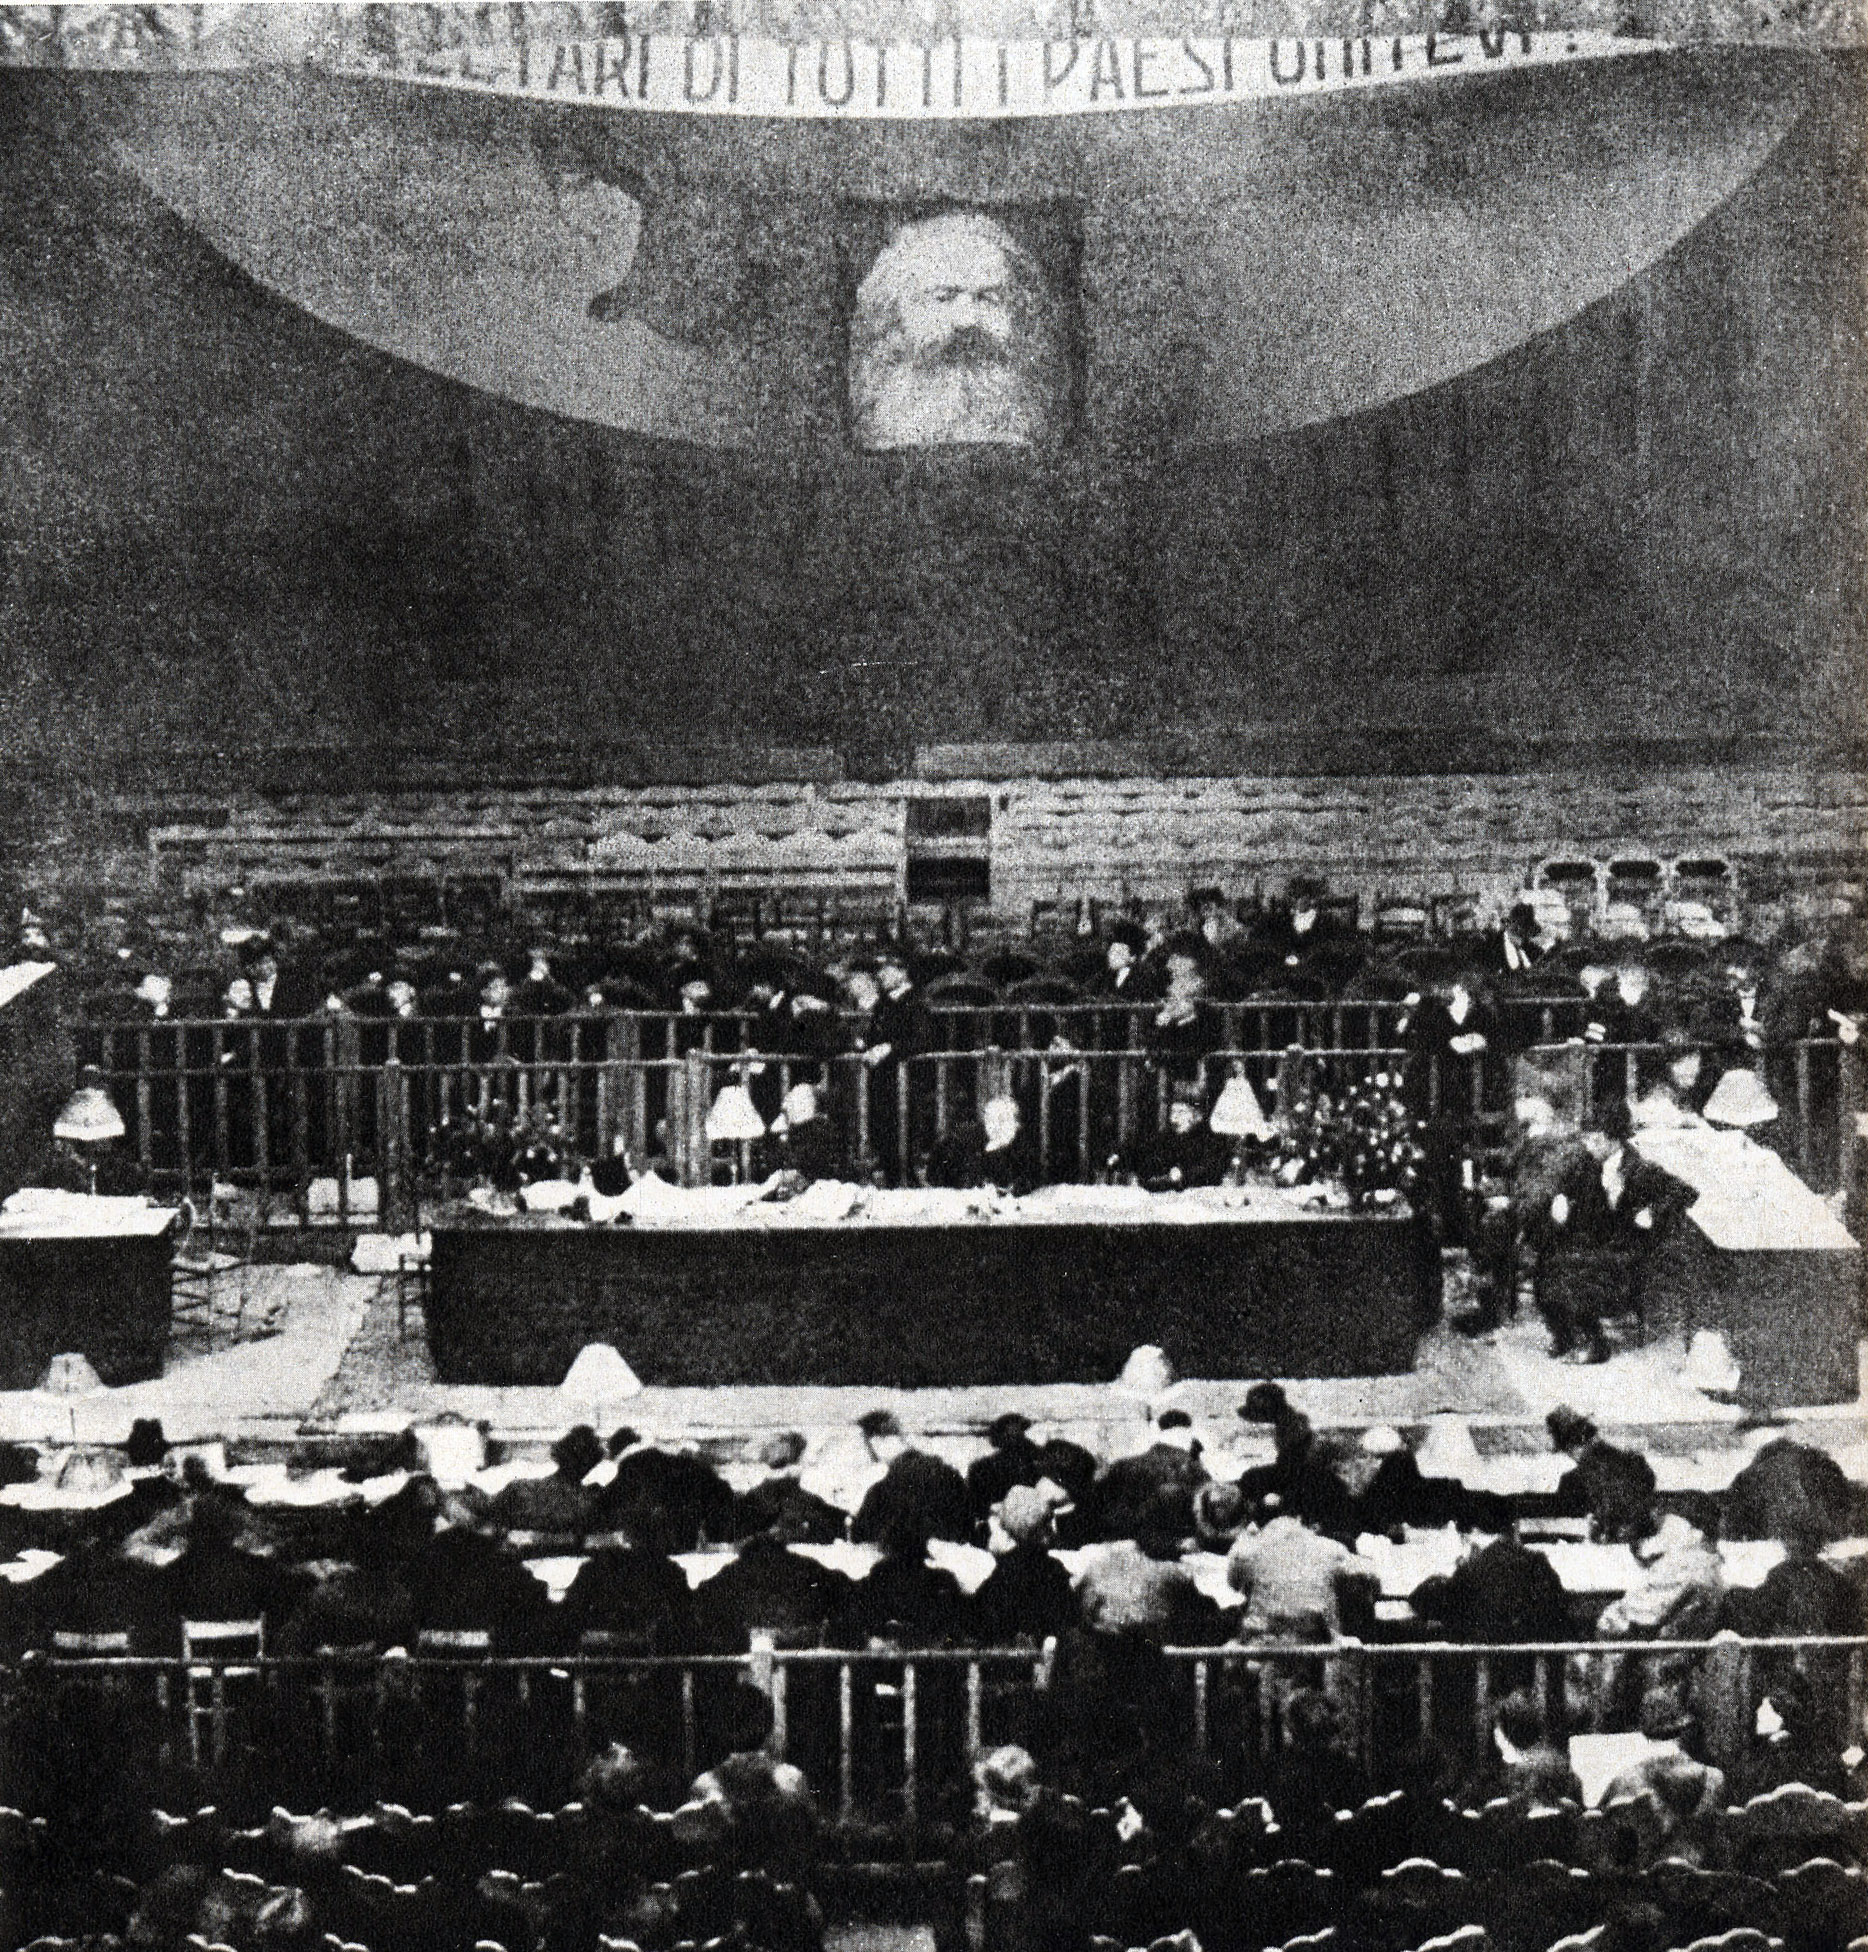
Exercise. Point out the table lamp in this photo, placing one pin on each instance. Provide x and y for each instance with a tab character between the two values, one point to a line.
1740	1099
89	1120
733	1116
1237	1116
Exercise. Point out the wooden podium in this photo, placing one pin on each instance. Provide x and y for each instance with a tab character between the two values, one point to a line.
1763	1260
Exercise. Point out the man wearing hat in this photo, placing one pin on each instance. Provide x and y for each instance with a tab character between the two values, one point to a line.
1013	1459
1611	1210
1122	978
1301	1476
900	1028
1027	1595
1612	1487
917	1490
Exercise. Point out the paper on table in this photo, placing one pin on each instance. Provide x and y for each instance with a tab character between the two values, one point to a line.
971	1565
1599	1759
32	1561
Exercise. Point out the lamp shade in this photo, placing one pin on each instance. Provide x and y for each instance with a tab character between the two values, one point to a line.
1740	1098
1237	1114
88	1116
733	1116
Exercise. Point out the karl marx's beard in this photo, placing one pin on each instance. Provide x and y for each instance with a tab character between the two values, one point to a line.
969	386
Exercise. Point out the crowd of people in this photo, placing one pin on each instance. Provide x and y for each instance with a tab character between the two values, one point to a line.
840	1054
419	1556
1778	980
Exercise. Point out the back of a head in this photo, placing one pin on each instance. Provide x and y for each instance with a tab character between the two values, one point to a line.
614	1780
1264	1403
1310	1719
749	1719
1054	1840
1518	1721
578	1452
1166	1522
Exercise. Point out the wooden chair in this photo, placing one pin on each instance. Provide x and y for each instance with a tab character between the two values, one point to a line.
1743	1939
215	1652
1790	1825
1824	1905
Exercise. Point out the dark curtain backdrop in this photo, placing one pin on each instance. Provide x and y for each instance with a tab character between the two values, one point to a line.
227	526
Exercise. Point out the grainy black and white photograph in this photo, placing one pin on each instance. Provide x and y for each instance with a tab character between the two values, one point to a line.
933	937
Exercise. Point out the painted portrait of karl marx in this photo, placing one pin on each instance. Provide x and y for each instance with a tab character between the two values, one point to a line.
957	337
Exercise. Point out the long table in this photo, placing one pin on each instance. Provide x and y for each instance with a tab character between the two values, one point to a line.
85	1276
1764	1262
1034	1291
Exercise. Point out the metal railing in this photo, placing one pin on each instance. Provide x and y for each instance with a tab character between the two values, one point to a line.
887	1735
282	1105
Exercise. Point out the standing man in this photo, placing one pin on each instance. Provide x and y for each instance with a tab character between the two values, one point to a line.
900	1030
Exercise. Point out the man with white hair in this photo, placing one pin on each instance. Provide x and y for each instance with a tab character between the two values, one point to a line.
804	1140
992	1150
956	339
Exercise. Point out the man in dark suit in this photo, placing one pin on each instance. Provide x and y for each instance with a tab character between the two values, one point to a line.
768	1589
900	1029
538	992
1123	977
1610	1202
639	1597
1612	1487
778	1503
1185	1152
1013	1459
1791	1485
1149	1484
803	1140
1502	1593
1027	1595
997	1149
917	1491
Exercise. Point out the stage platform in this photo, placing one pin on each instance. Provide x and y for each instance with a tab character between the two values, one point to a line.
300	1352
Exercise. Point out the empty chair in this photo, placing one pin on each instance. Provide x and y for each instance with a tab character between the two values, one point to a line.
1700	1903
1824	1905
1323	1941
1290	1898
1523	1908
1790	1825
1743	1939
1368	1839
217	1652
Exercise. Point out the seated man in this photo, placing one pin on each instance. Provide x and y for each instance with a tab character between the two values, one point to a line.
1137	1590
917	1491
1185	1152
779	1502
1027	1594
560	1505
1612	1487
992	1150
1522	1763
1294	1581
1013	1459
1611	1205
1302	1475
803	1139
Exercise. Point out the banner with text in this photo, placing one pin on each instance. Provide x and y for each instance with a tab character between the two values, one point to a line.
732	74
844	78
